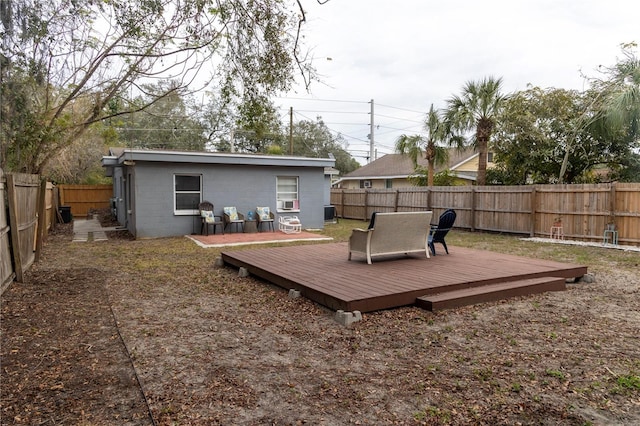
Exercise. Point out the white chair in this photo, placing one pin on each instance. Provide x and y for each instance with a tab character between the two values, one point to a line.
392	233
289	224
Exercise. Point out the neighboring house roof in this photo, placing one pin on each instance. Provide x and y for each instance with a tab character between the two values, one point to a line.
120	156
395	166
331	171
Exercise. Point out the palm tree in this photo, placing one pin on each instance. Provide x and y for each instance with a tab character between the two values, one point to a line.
622	104
434	154
617	100
477	108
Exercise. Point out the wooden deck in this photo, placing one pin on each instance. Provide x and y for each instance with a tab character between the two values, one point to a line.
321	272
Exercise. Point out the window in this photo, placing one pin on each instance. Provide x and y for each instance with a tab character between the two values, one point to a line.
388	183
365	184
187	194
287	193
489	157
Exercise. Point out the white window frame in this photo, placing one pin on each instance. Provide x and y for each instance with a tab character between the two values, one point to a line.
288	193
186	212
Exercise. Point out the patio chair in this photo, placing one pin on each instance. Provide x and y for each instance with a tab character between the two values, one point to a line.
265	215
439	231
392	233
208	218
233	217
289	224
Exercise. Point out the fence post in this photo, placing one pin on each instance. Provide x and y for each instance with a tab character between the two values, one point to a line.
533	211
15	228
42	218
395	201
612	202
473	208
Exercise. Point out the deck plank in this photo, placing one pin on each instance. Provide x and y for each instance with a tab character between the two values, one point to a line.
323	273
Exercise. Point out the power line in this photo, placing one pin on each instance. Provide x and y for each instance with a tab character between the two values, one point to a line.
332	112
399	118
324	100
402	109
389	127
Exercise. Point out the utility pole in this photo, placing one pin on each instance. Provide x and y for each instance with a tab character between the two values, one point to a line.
371	140
290	130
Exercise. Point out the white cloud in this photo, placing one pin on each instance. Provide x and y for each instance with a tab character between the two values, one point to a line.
409	54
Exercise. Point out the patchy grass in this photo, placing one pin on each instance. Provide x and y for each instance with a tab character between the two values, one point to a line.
210	347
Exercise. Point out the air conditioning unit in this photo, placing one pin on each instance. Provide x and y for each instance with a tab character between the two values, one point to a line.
366	184
288	205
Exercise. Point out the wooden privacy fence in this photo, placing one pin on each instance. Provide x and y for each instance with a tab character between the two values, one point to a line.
585	210
27	212
6	264
83	198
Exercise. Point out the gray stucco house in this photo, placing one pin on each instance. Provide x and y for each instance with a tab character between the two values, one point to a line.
156	193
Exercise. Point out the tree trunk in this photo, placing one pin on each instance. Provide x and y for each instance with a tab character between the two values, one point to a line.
482	162
483	132
431	157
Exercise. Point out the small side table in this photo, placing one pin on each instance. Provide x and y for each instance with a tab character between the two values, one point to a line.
250	227
556	233
610	233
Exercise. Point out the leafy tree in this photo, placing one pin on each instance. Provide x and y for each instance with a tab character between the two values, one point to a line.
65	62
80	162
446	178
535	127
420	177
434	154
555	135
622	97
168	123
614	106
257	127
477	108
540	128
314	139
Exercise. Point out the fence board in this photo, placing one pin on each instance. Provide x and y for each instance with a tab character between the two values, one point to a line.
22	194
585	210
7	273
83	198
627	211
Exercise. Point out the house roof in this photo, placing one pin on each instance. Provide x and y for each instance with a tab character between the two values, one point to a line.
128	156
392	166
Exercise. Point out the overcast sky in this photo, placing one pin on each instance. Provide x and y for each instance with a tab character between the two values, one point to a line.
409	54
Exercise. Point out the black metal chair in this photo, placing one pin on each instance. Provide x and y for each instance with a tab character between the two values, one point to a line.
208	218
439	231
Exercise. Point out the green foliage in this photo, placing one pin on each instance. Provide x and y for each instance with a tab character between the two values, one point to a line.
555	373
257	127
61	73
275	150
314	139
631	382
477	108
622	94
443	178
435	155
169	122
540	127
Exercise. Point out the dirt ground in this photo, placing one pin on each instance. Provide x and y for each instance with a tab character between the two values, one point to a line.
128	332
